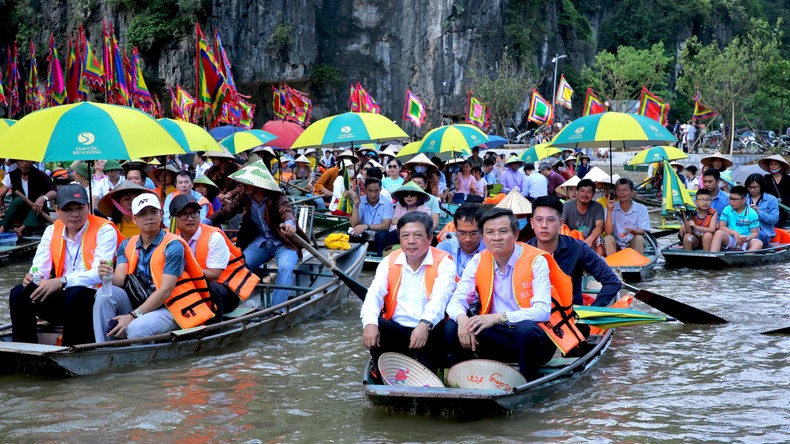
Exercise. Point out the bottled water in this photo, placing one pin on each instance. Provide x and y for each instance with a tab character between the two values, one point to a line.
36	276
106	284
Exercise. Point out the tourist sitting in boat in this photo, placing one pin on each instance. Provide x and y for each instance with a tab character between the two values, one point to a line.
162	262
490	174
777	181
136	172
679	168
586	215
405	305
117	205
739	225
112	178
765	205
710	181
224	164
538	181
438	186
475	160
464	181
432	203
266	227
208	189
692	181
201	163
349	164
393	181
512	284
409	198
584	166
222	262
322	189
184	185
567	170
478	188
327	160
371	215
697	232
80	172
626	221
165	180
33	184
569	189
467	241
574	257
66	268
716	161
513	178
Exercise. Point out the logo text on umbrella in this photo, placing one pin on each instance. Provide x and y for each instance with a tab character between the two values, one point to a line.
86	138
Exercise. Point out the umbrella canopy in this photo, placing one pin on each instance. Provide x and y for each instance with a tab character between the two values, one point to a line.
5	124
675	197
495	141
222	132
411	149
86	131
539	152
612	130
286	132
658	154
241	141
452	140
349	128
190	136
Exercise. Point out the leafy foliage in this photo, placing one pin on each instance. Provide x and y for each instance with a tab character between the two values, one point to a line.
324	75
282	36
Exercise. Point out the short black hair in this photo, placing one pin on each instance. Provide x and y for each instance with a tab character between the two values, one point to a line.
585	183
740	190
712	172
419	217
692	169
467	213
703	192
548	201
488	161
529	166
478	169
372	181
184	173
419	175
625	181
396	160
755	178
374	173
495	213
475	148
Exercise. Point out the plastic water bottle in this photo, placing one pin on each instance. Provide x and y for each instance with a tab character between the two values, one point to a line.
106	283
36	276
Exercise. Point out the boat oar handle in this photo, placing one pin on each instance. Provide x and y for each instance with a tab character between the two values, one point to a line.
44	214
288	184
310	249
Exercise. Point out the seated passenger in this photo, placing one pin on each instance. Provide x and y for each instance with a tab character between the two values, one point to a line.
585	215
117	205
38	188
404	308
626	221
480	184
371	215
739	225
467	241
184	185
410	198
766	206
698	231
163	262
433	201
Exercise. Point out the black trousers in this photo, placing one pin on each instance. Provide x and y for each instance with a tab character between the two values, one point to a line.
72	308
394	337
523	342
225	301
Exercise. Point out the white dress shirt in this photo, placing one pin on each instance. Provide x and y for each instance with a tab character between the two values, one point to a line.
504	301
413	303
74	269
538	185
201	169
218	252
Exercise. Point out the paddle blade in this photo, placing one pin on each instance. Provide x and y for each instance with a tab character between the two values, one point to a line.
780	331
355	287
678	310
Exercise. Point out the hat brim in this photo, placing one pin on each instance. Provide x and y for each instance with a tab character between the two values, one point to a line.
763	163
106	207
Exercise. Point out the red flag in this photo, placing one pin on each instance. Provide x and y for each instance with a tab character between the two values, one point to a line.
592	104
653	106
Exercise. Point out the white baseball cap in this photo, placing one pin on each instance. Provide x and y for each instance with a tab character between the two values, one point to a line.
145	200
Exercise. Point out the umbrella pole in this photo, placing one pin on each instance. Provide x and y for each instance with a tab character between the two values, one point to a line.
611	154
90	185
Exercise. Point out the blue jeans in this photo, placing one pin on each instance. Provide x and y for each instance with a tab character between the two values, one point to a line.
259	252
319	203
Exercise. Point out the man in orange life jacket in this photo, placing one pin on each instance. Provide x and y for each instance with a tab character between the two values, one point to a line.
184	185
161	260
221	261
515	295
405	304
70	250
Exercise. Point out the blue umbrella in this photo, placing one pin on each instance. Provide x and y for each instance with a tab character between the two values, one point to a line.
495	141
222	132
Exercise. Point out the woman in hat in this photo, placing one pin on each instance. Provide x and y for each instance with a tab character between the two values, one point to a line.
567	170
777	181
302	169
209	190
117	206
584	166
393	181
164	178
679	168
410	197
716	161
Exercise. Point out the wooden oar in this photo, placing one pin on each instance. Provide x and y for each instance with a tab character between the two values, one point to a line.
678	310
358	289
43	214
288	184
779	331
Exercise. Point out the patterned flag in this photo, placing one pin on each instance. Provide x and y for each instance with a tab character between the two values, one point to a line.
540	110
414	110
476	112
564	93
185	105
3	99
213	89
141	97
701	111
360	100
247	112
56	85
92	68
12	77
278	103
76	89
298	105
158	111
653	107
32	97
122	83
222	58
109	68
592	104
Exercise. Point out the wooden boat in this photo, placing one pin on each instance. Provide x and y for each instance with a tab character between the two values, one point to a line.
676	257
646	200
23	249
557	375
318	292
632	275
642	167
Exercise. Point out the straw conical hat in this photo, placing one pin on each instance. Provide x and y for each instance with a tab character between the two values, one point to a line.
706	161
420	159
597	175
106	207
484	374
572	182
388	152
256	175
156	172
310	151
570	159
222	154
347	154
302	159
514	159
377	165
766	160
410	186
516	203
265	149
203	179
677	164
398	369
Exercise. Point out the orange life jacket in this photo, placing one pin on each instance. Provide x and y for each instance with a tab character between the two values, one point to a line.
576	234
560	327
236	276
57	246
190	303
396	272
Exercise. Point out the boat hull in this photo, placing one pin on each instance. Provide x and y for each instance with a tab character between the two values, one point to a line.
632	275
676	257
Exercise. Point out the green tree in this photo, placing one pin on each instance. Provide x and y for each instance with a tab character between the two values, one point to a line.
770	105
619	77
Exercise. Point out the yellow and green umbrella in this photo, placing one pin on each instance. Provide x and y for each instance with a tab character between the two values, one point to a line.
5	124
86	131
675	197
448	140
190	136
539	152
349	129
658	154
241	141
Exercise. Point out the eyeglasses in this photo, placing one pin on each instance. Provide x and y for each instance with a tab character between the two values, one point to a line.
187	216
392	166
545	220
411	194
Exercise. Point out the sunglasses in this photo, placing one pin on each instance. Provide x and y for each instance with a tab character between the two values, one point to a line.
411	194
392	166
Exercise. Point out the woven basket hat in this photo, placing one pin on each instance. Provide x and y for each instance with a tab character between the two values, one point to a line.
398	369
484	374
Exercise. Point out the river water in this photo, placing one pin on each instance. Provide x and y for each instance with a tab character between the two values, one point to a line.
660	382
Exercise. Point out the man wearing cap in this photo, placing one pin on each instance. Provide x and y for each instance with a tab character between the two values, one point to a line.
184	185
67	262
36	186
162	262
221	261
404	308
626	221
467	241
513	178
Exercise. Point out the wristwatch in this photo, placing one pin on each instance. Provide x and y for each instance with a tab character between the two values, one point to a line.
503	318
136	313
428	323
63	281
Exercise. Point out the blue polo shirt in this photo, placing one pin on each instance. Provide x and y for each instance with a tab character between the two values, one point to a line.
720	201
174	257
460	258
375	214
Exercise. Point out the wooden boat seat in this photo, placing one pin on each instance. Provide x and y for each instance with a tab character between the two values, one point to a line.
304	219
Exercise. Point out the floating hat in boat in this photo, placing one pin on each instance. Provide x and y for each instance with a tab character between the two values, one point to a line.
398	369
106	206
257	175
516	203
708	160
484	374
776	157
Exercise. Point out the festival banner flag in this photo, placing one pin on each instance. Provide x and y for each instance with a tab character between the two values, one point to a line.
360	100
653	107
12	79
222	58
122	83
76	86
592	104
476	112
92	67
56	85
158	111
3	98
299	106
109	68
32	96
186	105
701	111
540	111
564	95
247	113
414	109
213	89
141	97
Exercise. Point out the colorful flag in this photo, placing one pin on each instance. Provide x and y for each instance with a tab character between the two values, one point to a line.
701	111
32	96
592	104
3	99
476	112
360	100
76	86
653	107
109	68
675	197
213	89
564	93
141	97
185	105
247	112
346	205
56	85
121	84
12	79
222	58
278	103
299	107
414	110
158	111
92	68
540	111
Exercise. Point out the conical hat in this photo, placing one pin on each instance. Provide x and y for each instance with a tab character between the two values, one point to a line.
347	154
222	154
156	172
265	149
388	152
398	369
516	203
310	151
766	160
420	159
106	207
514	159
258	176
570	159
484	374
206	181
597	175
377	165
572	182
706	161
677	164
410	186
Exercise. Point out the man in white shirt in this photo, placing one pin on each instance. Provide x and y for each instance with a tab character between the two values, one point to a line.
201	163
538	183
66	263
511	286
404	309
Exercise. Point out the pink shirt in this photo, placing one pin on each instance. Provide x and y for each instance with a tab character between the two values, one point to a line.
464	185
401	210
